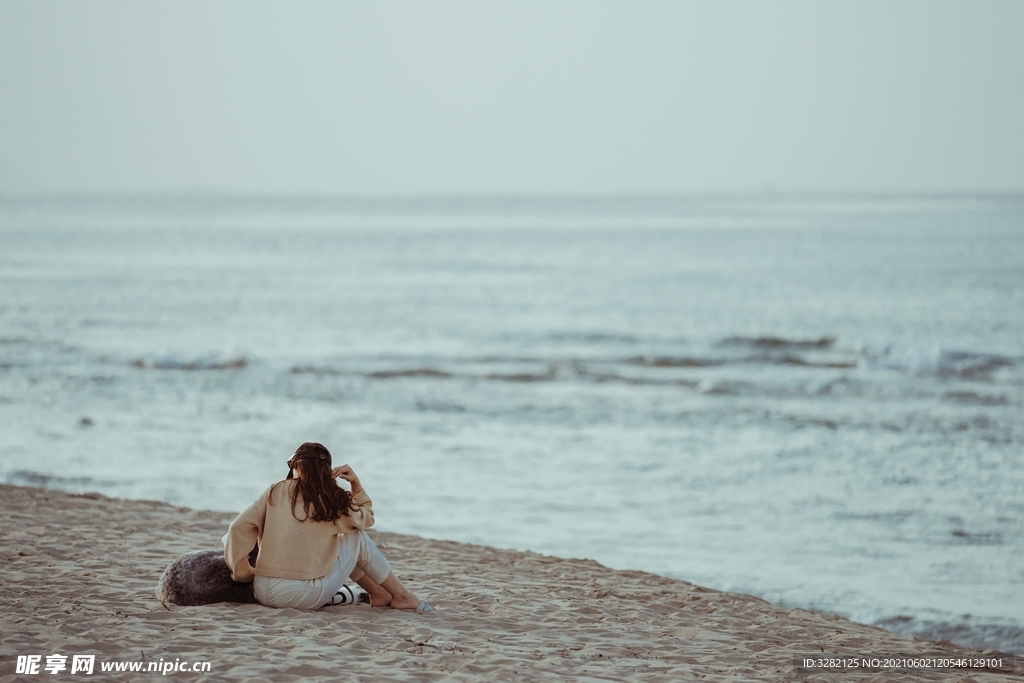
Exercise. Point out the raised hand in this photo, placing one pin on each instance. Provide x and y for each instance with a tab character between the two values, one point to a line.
345	472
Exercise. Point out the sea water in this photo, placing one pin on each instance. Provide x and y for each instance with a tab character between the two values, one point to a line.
817	400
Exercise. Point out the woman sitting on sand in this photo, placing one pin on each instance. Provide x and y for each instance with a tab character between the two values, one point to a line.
311	540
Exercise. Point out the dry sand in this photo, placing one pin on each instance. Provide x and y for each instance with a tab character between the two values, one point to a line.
79	572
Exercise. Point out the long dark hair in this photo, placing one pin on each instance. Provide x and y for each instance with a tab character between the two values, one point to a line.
322	498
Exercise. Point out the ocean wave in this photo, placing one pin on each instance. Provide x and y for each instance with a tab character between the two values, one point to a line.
434	373
724	387
821	368
614	377
601	373
410	372
976	399
31	478
593	337
801	422
968	631
554	372
673	362
546	376
17	340
960	536
966	365
192	365
778	343
789	359
838	386
313	370
819	353
439	407
934	361
827	354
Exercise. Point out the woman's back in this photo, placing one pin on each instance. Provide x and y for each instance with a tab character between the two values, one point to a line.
292	545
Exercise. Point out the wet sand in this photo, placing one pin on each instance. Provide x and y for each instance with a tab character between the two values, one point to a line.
79	573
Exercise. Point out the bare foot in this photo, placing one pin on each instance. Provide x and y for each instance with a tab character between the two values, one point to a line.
409	601
401	598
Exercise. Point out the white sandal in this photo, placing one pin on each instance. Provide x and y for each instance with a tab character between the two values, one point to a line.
349	595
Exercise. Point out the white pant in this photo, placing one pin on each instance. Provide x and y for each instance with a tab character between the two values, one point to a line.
357	554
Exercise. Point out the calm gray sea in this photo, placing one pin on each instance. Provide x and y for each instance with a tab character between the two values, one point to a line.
817	400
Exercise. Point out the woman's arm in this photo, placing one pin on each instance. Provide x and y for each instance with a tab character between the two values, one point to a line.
360	513
345	472
243	533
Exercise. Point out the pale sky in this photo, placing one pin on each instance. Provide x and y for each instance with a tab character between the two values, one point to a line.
511	97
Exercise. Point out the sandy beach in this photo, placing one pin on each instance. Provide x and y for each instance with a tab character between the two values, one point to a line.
79	573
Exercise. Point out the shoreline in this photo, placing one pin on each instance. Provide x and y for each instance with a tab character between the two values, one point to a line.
80	572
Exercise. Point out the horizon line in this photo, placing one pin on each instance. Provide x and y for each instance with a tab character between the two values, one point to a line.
765	193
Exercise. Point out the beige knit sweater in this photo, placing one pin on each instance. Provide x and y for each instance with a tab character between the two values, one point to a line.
289	549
